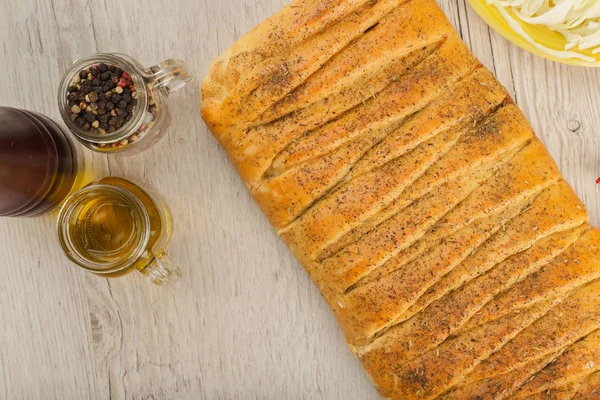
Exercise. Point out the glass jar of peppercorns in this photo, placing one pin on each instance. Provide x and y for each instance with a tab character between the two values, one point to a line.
113	104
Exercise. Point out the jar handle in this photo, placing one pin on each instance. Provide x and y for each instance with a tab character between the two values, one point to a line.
161	270
169	76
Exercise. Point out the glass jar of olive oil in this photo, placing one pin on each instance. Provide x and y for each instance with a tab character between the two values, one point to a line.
113	227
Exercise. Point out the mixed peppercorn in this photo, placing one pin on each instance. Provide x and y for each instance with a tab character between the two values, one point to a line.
103	98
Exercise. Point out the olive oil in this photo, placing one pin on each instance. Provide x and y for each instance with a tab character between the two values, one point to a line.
113	227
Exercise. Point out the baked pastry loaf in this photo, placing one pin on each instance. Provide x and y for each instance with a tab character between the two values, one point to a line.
397	169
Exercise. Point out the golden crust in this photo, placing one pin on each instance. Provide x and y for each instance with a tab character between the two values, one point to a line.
415	194
575	364
501	385
580	316
445	316
587	389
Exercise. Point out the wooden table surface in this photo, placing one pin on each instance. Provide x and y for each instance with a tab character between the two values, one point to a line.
245	322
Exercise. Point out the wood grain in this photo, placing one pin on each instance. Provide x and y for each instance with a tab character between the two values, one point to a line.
245	322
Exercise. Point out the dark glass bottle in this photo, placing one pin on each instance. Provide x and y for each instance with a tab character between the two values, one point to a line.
39	163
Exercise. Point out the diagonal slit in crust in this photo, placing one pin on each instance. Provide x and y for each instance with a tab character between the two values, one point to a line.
573	390
461	353
283	37
502	385
457	190
377	306
543	284
377	189
372	27
256	46
428	182
574	365
257	147
286	197
348	100
419	219
469	350
377	50
468	101
504	132
446	316
326	112
537	222
400	99
450	225
546	336
434	218
272	79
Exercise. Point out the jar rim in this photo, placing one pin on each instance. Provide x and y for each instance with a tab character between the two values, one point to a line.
130	127
65	235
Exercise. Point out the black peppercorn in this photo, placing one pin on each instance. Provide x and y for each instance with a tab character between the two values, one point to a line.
89	117
100	99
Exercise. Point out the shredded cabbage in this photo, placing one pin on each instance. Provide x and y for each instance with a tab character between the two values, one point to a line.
577	20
